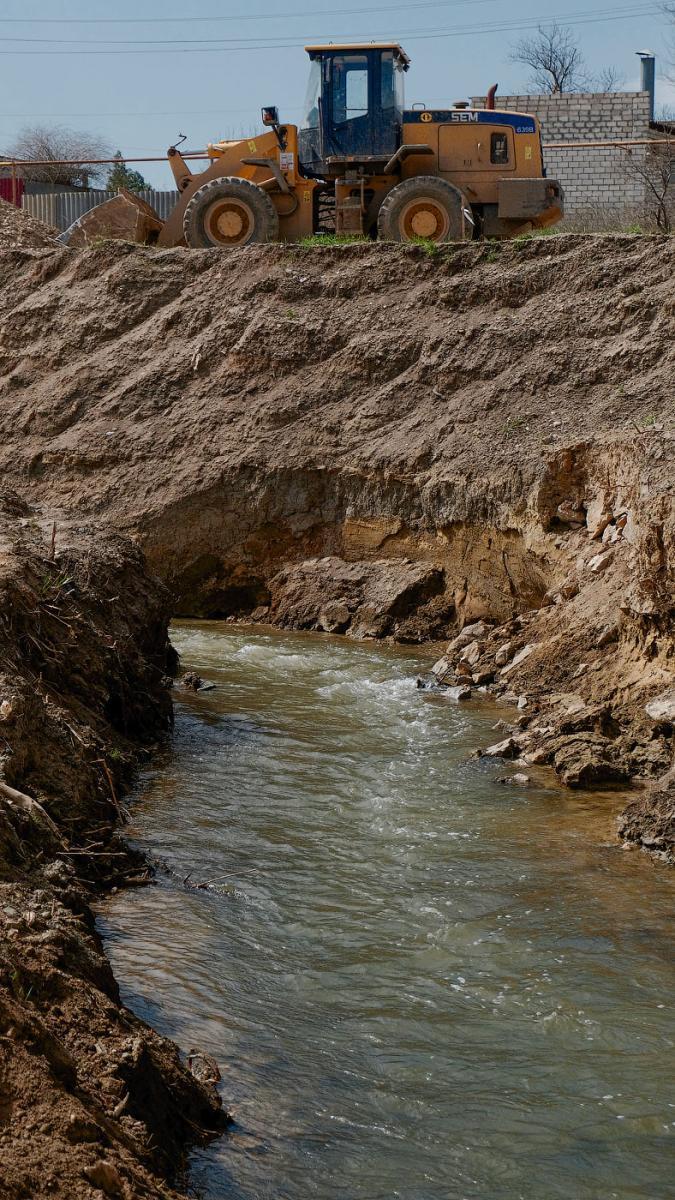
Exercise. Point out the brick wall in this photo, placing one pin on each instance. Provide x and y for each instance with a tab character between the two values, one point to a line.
592	178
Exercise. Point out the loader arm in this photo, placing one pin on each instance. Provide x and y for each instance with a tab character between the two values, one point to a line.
259	160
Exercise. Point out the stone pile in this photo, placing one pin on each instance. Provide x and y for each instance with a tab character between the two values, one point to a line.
586	744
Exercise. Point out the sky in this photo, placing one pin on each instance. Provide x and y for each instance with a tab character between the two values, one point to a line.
141	72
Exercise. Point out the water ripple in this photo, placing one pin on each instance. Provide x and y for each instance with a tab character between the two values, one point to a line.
419	984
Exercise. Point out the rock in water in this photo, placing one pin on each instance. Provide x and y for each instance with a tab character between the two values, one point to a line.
509	748
192	682
204	1067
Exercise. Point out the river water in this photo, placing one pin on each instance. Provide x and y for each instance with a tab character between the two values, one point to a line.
419	983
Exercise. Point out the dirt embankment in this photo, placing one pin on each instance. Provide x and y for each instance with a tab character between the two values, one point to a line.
92	1102
18	228
376	441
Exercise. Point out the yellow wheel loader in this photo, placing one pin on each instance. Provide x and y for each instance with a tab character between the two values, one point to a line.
361	163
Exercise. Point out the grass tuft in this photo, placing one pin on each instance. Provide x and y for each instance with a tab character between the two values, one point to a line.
332	239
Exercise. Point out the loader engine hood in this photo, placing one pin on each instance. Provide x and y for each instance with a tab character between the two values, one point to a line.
519	122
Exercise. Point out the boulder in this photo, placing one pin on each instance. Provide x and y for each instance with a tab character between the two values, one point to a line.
368	599
520	657
483	678
609	635
470	633
599	562
105	1176
191	681
654	757
477	630
589	761
569	702
503	654
591	718
598	517
570	512
509	748
470	654
334	617
662	708
443	670
540	756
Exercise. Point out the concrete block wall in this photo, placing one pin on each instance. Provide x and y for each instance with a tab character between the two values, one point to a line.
593	178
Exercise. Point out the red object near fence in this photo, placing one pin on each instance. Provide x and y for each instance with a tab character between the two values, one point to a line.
12	190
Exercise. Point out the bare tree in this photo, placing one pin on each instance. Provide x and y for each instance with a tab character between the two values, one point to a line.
554	58
656	170
610	79
55	143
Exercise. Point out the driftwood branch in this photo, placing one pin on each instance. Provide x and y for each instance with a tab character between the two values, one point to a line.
32	808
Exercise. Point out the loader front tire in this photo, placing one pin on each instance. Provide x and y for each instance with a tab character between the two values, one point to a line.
229	212
425	208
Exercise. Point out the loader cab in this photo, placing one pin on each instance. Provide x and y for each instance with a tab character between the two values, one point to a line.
354	105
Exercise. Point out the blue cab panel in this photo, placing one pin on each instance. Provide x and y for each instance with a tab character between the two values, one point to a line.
469	116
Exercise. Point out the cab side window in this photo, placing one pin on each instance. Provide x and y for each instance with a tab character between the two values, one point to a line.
499	148
350	87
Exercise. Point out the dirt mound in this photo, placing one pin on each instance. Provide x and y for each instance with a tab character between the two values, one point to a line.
19	229
91	1097
502	416
171	389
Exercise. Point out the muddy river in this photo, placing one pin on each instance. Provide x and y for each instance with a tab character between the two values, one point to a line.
419	983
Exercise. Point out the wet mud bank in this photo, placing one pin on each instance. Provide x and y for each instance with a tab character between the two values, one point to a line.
93	1102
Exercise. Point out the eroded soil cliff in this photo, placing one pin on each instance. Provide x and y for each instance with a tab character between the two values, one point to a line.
92	1102
376	441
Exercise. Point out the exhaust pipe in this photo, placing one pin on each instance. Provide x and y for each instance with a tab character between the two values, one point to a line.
648	78
490	98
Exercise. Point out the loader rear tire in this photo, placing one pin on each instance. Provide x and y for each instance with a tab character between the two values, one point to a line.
425	208
229	212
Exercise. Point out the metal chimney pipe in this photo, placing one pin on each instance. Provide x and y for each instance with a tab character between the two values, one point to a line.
648	78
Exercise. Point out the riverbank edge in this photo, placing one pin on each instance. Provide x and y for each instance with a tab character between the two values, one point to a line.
97	1101
94	1102
593	745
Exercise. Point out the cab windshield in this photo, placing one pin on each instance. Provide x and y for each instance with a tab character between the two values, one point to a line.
311	109
393	85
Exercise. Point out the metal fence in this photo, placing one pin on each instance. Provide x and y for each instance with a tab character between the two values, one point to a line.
11	190
62	208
